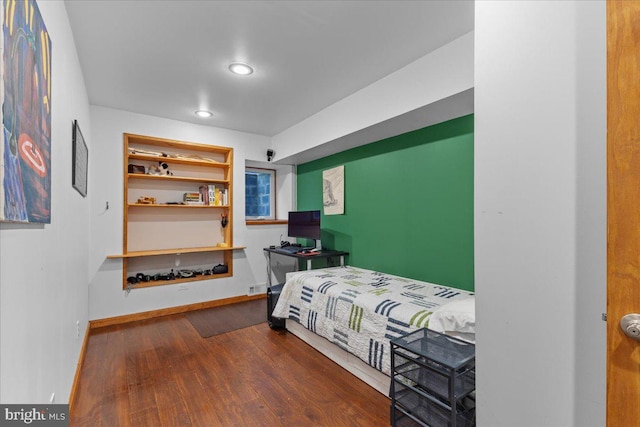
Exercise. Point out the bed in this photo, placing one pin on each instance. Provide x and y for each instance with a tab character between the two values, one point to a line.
350	314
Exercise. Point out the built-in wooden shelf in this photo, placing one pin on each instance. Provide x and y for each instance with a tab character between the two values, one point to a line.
178	178
178	160
167	205
172	144
196	166
176	251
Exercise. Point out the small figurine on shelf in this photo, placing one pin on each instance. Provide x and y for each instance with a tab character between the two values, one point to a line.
161	169
146	200
223	220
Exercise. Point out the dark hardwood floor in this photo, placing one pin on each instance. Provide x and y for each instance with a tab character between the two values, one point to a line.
160	372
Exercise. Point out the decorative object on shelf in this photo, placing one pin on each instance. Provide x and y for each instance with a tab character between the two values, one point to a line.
25	149
186	273
223	220
333	191
143	277
136	169
220	269
146	200
164	276
161	169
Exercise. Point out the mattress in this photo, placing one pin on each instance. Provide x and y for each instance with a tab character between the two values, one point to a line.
360	310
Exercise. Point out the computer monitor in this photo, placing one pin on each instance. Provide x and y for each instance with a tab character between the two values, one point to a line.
304	224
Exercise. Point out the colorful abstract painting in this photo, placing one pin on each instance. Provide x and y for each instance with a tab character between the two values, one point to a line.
25	152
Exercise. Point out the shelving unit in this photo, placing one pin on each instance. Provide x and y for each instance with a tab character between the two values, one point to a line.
433	380
167	235
165	205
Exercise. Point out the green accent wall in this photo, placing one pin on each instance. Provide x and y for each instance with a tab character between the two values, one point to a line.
408	204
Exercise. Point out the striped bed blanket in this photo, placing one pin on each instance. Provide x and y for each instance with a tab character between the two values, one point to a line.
361	310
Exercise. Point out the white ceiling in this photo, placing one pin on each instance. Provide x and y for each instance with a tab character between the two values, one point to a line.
170	58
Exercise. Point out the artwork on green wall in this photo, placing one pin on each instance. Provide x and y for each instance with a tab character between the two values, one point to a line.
333	190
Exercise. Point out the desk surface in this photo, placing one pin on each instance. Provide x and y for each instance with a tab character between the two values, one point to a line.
324	253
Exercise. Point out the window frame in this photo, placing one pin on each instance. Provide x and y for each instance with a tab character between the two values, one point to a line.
271	219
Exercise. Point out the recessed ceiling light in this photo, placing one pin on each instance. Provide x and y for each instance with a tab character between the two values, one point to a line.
240	69
204	113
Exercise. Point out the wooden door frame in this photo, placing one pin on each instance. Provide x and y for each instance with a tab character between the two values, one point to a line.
623	209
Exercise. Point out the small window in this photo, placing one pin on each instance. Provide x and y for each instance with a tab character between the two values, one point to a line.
260	193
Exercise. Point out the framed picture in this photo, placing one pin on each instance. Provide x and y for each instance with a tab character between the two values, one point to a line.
333	190
25	95
80	161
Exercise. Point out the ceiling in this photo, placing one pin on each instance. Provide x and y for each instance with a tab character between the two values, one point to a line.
170	58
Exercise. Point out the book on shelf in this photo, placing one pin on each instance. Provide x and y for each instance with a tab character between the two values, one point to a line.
192	198
212	195
204	191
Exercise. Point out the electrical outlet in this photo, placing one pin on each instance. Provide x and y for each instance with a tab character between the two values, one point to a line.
257	289
77	329
183	287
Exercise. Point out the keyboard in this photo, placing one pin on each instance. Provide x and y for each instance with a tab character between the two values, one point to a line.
290	249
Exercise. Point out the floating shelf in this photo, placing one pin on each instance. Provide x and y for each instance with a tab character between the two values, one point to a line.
178	178
166	205
179	161
178	251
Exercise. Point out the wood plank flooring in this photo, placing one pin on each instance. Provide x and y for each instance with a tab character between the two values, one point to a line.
160	372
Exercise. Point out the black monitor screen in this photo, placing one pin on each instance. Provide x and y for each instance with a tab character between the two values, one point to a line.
304	224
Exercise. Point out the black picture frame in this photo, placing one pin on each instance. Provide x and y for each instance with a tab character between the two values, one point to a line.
80	161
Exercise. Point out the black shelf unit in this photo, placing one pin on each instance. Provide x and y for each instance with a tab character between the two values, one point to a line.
433	380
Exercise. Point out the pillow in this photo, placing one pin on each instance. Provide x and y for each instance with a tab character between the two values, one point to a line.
456	317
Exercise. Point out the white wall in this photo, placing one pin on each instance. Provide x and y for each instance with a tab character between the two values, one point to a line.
273	234
107	299
44	272
540	241
442	74
591	210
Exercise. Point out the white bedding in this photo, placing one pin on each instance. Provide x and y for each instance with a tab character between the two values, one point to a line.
361	310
